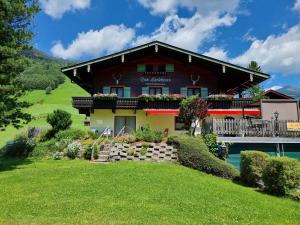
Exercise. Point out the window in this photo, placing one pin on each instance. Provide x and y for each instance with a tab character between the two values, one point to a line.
157	68
179	123
193	91
117	90
155	90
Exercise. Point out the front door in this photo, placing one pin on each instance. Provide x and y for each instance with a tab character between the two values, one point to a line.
128	122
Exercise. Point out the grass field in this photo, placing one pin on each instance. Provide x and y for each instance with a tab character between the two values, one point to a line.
78	192
44	104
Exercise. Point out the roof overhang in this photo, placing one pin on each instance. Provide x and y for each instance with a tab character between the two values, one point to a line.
157	43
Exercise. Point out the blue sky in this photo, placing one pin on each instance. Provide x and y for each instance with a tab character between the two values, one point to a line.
238	31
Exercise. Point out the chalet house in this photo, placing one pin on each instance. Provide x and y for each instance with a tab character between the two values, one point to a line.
144	86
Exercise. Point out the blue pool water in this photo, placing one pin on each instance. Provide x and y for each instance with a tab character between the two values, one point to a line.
292	151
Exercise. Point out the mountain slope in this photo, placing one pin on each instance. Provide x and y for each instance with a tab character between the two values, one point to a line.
293	92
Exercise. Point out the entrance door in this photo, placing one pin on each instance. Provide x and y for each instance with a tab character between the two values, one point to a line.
129	122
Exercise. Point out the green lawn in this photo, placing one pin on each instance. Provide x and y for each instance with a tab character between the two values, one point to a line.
78	192
44	104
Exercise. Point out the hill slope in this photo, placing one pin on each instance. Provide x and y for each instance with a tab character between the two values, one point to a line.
293	92
78	192
44	104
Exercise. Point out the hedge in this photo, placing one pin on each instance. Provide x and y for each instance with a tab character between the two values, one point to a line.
193	153
252	164
281	175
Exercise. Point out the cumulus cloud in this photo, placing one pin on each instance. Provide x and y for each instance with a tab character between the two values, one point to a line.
202	6
96	42
57	8
217	53
274	88
189	33
275	53
297	5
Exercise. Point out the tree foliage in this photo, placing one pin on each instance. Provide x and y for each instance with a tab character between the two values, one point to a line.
192	109
256	92
59	120
15	35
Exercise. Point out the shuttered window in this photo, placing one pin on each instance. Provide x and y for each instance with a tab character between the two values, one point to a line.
204	92
117	90
127	92
183	91
106	90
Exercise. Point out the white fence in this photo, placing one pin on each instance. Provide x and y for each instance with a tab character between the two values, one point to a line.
253	128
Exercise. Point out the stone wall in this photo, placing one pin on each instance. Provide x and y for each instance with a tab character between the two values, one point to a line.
150	152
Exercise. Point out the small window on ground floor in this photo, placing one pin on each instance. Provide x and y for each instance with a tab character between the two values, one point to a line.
179	123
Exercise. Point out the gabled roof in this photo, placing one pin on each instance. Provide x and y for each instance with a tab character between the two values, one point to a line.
276	93
264	76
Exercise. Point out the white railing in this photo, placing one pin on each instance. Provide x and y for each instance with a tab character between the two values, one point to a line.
253	128
106	131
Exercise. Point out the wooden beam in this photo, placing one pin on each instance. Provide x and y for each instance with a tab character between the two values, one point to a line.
251	77
75	72
190	58
122	58
156	48
223	69
88	68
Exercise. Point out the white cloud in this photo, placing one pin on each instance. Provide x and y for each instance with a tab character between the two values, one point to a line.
96	42
56	8
275	88
297	5
217	53
204	7
276	53
139	25
189	33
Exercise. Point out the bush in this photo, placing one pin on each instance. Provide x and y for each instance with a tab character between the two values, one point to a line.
21	146
48	90
130	152
87	154
252	165
125	138
148	135
73	150
59	120
193	153
72	134
211	141
281	175
58	155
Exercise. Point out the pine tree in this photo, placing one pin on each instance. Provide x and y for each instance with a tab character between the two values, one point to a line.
15	35
256	92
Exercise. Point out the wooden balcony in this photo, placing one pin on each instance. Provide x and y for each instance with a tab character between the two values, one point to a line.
137	103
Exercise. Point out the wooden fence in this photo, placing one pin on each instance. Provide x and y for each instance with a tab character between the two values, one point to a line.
253	128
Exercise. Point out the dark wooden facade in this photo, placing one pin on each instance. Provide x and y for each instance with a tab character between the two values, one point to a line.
101	75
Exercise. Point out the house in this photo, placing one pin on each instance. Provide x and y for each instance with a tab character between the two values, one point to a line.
144	86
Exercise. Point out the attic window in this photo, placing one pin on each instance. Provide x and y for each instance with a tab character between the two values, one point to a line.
155	68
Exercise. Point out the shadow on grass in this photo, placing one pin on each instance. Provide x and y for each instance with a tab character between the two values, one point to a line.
7	164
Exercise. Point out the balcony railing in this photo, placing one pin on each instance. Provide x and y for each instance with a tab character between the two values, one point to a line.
137	103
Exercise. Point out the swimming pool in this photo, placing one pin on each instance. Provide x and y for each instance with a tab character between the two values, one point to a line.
291	150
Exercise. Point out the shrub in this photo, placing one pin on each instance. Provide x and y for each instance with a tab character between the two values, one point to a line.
59	120
193	153
72	134
125	138
87	154
21	146
143	151
44	149
252	165
211	141
281	175
58	155
148	135
73	150
130	152
48	90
